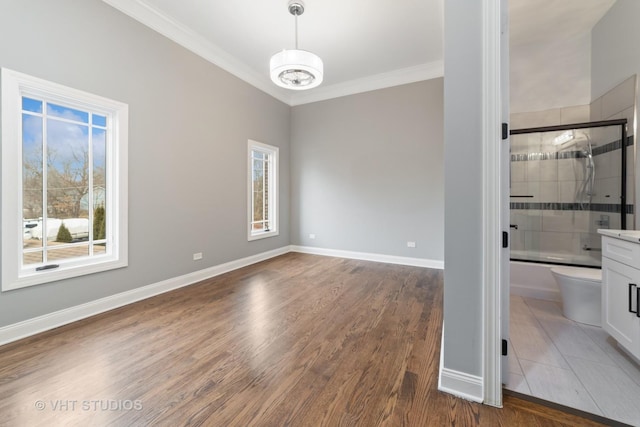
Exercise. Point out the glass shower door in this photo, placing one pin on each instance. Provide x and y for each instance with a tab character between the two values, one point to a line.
566	183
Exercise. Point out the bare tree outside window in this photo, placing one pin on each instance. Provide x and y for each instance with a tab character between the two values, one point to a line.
64	180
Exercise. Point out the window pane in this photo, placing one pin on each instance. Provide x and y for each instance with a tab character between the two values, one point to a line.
100	249
68	175
31	177
99	163
32	258
257	154
67	230
67	113
33	105
99	120
257	168
258	190
99	184
54	254
258	214
32	233
265	194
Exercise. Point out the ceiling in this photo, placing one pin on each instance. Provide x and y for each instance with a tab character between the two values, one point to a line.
542	21
550	57
365	45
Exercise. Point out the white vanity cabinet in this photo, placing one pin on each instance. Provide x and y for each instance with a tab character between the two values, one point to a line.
621	288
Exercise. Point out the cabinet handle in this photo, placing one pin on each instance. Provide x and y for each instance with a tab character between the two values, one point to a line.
631	286
637	302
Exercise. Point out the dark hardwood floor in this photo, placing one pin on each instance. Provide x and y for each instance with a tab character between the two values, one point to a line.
299	340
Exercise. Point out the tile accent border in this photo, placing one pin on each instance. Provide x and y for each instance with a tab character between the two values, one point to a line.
525	157
576	154
612	146
550	206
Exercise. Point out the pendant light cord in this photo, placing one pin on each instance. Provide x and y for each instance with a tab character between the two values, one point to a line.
296	17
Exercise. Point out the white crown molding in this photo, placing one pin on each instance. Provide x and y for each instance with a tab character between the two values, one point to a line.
179	33
399	77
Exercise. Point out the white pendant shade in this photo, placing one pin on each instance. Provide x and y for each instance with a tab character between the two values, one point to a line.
296	69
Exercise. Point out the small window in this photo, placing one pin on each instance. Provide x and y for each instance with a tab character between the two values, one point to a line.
263	189
64	182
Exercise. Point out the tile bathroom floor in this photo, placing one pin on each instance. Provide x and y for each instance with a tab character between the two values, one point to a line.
576	365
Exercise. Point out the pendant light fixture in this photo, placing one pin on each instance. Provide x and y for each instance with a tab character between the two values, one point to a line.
296	69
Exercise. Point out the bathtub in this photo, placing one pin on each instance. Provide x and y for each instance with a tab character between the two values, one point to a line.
534	279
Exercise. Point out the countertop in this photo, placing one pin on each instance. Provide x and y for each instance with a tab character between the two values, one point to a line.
629	235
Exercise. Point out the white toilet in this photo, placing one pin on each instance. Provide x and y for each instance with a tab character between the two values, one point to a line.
580	289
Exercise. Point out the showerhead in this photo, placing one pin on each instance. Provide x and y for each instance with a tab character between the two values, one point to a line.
564	138
574	139
582	136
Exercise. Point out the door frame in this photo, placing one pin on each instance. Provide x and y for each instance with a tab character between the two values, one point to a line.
493	221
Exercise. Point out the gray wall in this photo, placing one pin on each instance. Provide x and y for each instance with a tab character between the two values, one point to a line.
189	125
550	72
614	47
367	172
614	58
462	343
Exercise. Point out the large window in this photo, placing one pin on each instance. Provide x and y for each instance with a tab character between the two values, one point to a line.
263	184
63	182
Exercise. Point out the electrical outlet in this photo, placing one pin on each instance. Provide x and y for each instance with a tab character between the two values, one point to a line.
312	236
197	256
411	244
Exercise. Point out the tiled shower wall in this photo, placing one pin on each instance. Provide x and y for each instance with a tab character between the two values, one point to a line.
547	176
619	103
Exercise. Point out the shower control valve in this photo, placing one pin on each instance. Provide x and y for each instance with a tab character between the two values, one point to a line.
603	221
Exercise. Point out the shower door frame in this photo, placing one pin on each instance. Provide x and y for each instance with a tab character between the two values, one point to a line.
623	167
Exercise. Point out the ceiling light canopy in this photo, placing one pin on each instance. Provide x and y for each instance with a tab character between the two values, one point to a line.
296	69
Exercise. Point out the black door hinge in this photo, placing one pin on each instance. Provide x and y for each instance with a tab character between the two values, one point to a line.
504	347
505	131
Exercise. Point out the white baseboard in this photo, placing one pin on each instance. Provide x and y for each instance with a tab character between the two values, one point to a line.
43	323
365	256
460	384
533	280
533	292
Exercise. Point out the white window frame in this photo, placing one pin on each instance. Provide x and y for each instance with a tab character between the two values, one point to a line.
273	179
14	86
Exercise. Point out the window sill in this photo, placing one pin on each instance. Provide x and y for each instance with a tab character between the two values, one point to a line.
65	272
262	235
